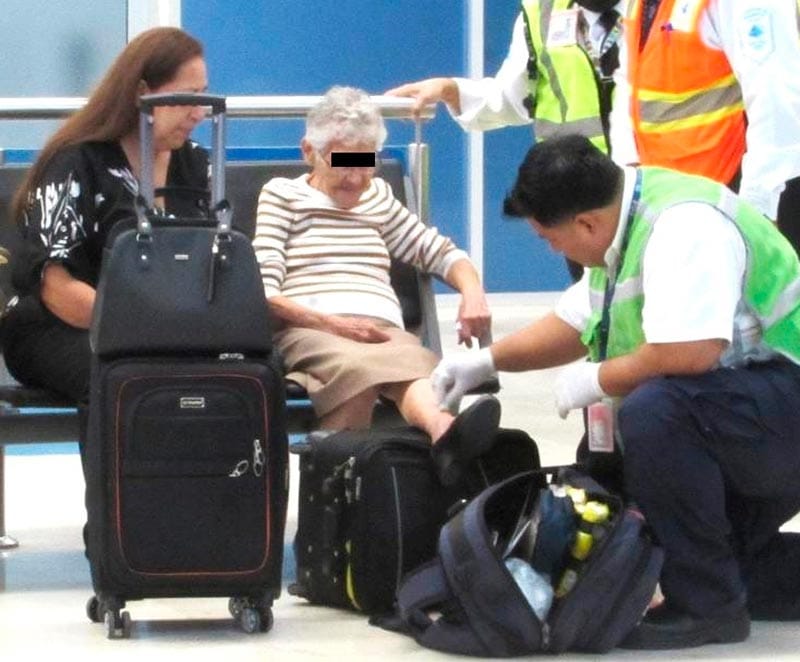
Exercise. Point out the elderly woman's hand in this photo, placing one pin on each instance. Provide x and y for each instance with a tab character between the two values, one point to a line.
474	318
356	328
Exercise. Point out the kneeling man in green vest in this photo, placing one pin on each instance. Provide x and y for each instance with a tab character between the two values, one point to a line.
689	316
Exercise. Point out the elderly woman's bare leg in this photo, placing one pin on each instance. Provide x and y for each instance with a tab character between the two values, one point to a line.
417	403
356	413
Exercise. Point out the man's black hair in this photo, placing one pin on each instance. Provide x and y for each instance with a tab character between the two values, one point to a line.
560	177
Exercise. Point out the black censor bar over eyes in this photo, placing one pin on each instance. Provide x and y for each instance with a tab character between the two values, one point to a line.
352	159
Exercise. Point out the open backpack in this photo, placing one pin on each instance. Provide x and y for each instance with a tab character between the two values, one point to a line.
594	552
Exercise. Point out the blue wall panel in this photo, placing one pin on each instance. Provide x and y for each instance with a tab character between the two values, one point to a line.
515	259
291	47
54	49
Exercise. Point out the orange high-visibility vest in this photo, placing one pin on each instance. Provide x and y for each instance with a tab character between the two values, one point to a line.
686	104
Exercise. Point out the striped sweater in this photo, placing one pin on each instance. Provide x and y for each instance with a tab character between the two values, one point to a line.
336	261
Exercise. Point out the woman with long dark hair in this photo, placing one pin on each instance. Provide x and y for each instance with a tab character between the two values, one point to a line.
84	181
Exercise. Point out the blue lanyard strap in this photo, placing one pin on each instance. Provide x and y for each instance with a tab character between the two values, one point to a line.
611	283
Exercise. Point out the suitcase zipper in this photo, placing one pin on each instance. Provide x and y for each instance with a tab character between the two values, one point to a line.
366	452
352	492
353	487
398	574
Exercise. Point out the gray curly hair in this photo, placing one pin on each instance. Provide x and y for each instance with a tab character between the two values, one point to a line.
347	115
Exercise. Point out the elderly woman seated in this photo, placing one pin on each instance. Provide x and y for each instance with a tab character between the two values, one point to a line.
324	242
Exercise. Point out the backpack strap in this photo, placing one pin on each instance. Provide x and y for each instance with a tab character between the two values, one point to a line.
422	588
426	588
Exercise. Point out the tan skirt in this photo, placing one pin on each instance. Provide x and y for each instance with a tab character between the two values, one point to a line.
334	369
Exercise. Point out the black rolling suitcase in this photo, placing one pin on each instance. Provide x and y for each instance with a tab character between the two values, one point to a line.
186	452
371	506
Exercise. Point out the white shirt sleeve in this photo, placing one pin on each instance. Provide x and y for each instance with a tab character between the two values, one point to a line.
762	43
623	143
692	271
573	305
492	103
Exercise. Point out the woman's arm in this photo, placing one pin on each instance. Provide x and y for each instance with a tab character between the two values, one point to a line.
355	328
69	299
60	219
474	317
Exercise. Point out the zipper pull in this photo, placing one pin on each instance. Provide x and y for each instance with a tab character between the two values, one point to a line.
240	469
213	269
347	475
258	458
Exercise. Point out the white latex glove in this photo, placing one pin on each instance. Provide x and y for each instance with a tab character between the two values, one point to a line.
578	386
455	375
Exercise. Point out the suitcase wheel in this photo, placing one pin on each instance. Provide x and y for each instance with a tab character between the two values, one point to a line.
109	612
93	610
252	615
235	606
118	625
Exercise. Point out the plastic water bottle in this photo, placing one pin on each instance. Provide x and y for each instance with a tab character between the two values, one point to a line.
534	586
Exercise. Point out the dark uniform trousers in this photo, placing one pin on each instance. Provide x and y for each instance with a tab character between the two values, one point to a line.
713	461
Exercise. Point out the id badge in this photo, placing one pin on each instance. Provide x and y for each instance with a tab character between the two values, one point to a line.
601	427
563	29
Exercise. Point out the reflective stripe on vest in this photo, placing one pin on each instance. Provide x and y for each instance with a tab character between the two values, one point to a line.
685	116
564	88
661	111
771	290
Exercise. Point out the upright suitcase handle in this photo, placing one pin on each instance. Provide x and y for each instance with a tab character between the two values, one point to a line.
147	104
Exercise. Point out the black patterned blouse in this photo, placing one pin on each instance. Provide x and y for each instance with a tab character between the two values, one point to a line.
85	191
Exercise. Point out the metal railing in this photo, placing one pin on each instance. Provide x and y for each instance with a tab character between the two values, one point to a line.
253	107
257	107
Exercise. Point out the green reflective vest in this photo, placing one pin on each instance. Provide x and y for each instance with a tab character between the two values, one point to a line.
772	273
563	86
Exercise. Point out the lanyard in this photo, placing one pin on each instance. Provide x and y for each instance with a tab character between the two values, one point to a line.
611	284
610	21
612	35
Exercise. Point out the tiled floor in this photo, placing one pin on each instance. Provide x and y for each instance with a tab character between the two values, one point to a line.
44	584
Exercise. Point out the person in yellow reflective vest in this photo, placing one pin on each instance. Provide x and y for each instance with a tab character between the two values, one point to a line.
689	314
736	118
557	75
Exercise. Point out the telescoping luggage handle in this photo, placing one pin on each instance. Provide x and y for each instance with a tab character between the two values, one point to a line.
147	104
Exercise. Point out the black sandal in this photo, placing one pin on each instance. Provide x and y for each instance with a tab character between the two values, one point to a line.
471	434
